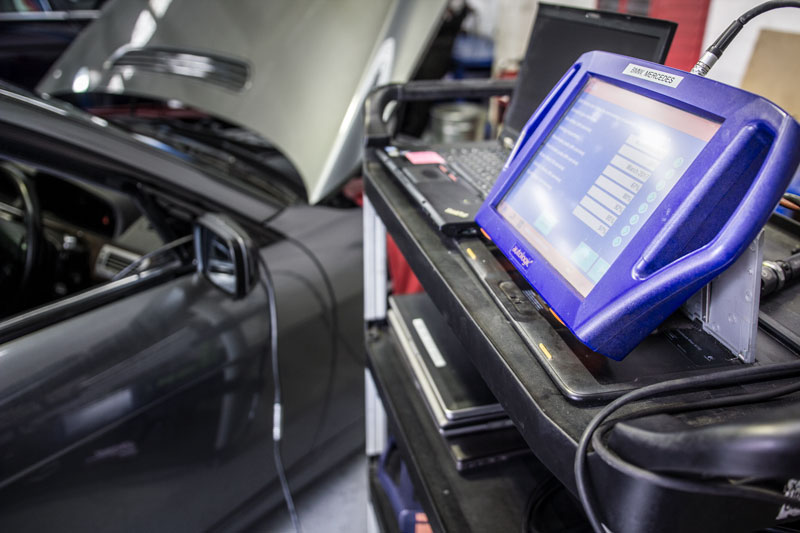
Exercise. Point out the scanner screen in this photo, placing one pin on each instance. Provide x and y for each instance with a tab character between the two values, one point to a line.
596	179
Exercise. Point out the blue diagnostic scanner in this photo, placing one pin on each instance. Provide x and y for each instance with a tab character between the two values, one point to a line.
631	187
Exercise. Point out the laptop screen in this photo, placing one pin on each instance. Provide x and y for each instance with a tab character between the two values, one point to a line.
561	35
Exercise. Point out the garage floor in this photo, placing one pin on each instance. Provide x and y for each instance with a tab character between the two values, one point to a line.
336	503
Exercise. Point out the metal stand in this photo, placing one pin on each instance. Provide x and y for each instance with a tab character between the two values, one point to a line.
375	298
728	306
375	280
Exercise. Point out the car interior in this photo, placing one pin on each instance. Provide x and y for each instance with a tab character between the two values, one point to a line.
62	236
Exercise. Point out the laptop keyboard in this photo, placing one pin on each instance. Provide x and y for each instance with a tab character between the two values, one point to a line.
478	165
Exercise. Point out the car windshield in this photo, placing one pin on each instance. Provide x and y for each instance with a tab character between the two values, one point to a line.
217	148
236	154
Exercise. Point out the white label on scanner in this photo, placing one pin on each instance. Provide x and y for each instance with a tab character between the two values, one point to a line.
428	342
651	74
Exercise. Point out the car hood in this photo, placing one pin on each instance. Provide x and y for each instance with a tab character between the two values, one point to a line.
294	71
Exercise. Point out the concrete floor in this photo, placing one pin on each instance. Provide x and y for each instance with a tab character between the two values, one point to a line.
337	503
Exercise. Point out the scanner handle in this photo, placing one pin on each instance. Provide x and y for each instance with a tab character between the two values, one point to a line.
377	132
687	274
760	199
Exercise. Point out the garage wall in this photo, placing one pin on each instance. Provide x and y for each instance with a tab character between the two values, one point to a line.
731	68
700	22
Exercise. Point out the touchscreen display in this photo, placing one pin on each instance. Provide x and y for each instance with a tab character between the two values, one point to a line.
606	166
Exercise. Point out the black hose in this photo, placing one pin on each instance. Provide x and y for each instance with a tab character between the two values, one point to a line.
717	379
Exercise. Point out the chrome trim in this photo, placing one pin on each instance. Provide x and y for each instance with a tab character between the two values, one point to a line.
78	303
223	71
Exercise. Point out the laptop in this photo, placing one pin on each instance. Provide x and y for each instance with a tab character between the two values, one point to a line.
451	182
457	398
478	450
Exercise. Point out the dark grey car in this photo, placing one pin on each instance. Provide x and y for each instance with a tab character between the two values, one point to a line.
136	393
145	403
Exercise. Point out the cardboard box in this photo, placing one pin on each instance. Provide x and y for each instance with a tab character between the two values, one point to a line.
774	69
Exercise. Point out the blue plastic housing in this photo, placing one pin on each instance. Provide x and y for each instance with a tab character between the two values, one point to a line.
702	225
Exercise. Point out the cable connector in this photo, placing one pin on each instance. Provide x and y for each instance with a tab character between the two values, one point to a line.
714	52
277	421
704	64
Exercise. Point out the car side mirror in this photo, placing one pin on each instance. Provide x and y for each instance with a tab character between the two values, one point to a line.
225	254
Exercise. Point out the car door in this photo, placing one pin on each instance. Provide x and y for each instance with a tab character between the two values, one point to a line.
145	403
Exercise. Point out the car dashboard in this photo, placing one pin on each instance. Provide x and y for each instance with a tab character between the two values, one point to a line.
88	235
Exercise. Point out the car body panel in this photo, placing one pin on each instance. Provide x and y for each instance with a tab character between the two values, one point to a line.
154	412
259	65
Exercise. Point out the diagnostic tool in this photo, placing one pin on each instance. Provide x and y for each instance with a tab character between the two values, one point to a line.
631	187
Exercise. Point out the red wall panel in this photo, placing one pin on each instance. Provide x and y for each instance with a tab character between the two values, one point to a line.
691	18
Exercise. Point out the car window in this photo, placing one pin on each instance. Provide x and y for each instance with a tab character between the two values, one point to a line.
61	236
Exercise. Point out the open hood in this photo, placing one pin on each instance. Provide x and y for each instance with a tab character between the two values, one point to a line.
294	71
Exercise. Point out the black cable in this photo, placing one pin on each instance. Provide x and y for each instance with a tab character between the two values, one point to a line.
542	491
166	248
277	408
273	216
545	499
794	198
778	274
715	51
766	6
308	284
717	379
686	485
712	403
727	36
334	329
789	205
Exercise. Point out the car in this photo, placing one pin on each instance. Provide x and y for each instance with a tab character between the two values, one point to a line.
166	271
34	33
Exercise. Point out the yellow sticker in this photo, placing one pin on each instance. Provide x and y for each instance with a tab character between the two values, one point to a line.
456	212
545	351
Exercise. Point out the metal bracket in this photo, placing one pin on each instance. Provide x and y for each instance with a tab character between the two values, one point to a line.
728	306
375	280
375	418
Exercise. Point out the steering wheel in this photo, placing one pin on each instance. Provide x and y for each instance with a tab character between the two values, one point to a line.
21	244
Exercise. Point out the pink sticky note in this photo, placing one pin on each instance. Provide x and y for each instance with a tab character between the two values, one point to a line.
424	158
